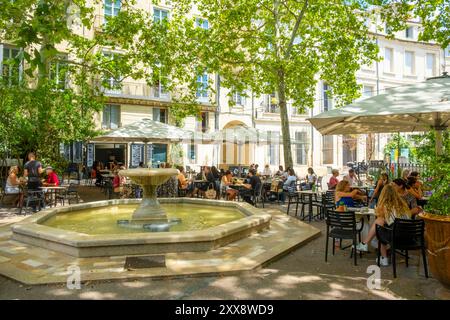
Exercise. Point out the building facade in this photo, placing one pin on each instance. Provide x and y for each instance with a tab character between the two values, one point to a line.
405	60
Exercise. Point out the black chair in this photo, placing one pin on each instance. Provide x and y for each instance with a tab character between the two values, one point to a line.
327	202
70	194
33	199
405	235
293	198
342	226
7	198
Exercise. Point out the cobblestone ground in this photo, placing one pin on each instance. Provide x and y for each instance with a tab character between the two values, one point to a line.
302	274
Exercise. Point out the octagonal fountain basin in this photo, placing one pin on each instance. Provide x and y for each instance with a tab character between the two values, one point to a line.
93	229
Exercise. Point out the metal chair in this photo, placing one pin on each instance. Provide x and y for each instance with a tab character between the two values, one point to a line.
405	235
69	194
35	198
342	226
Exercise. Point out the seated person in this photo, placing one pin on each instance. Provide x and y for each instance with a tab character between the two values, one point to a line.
208	177
381	183
289	184
352	178
280	171
405	174
226	181
333	180
254	182
52	178
266	172
13	185
400	186
390	206
414	187
184	183
311	178
344	196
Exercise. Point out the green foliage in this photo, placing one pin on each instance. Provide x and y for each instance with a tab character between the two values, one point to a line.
434	16
47	106
439	181
437	175
425	146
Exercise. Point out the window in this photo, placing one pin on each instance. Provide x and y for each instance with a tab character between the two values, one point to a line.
367	91
409	33
326	97
301	148
159	153
11	66
388	60
430	65
159	91
160	15
112	7
202	23
202	86
349	148
111	117
409	63
327	149
447	52
203	123
272	104
273	149
238	98
159	115
58	73
192	153
112	80
387	29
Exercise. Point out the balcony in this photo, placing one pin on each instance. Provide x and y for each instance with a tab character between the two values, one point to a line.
136	90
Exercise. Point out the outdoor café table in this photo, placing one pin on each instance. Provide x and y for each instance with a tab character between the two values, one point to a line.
310	194
363	213
240	187
52	191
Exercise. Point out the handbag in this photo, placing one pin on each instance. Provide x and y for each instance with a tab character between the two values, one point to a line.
211	192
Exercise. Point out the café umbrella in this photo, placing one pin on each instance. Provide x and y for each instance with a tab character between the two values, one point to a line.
149	131
412	108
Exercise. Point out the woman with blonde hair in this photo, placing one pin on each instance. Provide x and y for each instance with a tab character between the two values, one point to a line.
13	184
344	196
390	206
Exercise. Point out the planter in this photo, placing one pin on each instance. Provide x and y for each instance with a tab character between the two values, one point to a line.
437	237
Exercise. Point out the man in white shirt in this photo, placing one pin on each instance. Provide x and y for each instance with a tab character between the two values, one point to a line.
352	178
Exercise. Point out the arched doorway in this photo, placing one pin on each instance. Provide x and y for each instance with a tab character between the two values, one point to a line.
235	153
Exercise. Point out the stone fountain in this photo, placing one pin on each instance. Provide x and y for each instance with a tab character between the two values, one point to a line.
149	214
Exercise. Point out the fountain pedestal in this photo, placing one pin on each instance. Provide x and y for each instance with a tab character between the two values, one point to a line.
150	210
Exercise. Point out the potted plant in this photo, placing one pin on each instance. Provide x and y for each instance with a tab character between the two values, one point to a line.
437	219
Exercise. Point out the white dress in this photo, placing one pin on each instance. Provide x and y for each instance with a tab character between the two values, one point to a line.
11	189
